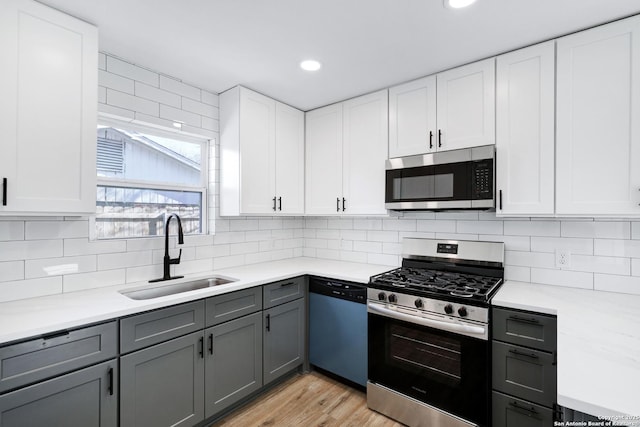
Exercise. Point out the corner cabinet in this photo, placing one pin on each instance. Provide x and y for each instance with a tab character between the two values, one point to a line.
448	111
261	155
525	131
598	121
48	111
346	149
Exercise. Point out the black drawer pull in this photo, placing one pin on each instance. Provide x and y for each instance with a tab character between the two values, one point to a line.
283	285
4	191
274	203
530	409
110	387
531	320
201	347
519	353
268	322
211	344
430	139
55	335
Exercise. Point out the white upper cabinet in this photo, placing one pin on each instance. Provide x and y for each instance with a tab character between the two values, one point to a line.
346	149
451	110
48	110
412	118
598	121
525	115
466	106
261	155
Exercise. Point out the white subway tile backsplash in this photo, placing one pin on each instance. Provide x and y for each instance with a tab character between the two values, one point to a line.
197	240
372	247
518	274
340	223
316	223
328	254
353	234
30	249
39	230
309	252
635	267
149	243
144	273
551	244
209	98
600	264
530	259
511	243
158	95
102	95
635	230
622	284
257	257
416	234
270	224
102	61
392	248
175	114
244	225
59	266
315	243
11	270
572	279
287	233
83	246
176	86
125	260
229	237
198	107
456	236
244	248
98	279
116	82
11	230
118	113
22	289
353	256
617	248
193	266
133	103
441	226
532	228
382	236
228	261
367	224
461	216
479	227
210	124
596	229
399	225
383	259
256	236
328	234
125	69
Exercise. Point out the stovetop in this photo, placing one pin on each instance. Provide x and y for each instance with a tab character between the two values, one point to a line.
433	283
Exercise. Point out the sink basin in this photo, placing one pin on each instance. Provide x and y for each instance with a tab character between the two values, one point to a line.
162	291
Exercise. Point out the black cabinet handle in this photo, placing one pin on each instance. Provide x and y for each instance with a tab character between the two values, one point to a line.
110	387
532	320
211	344
338	204
430	139
439	137
530	409
268	322
201	347
55	335
279	203
274	203
519	353
282	285
4	191
344	204
500	198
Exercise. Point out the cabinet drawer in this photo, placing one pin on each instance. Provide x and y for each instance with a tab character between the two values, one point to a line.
54	354
145	329
233	305
523	372
512	412
283	291
525	328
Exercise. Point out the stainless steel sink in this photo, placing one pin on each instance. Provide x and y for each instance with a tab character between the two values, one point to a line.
162	291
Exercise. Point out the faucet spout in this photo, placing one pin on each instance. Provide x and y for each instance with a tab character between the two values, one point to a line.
167	259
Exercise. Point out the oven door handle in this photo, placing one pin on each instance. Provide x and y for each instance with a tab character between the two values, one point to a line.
469	330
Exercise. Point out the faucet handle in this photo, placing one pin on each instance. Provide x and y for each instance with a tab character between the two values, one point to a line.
176	260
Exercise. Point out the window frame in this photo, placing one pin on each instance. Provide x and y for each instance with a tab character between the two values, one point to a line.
202	188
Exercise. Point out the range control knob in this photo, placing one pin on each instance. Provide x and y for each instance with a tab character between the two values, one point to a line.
392	298
462	311
448	309
419	303
382	296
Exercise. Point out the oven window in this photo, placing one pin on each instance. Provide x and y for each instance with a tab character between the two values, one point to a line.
420	350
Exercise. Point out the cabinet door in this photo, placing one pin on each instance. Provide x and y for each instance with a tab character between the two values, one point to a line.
364	152
163	385
525	114
257	152
466	106
289	160
88	397
412	118
598	121
233	368
48	109
509	411
323	160
283	339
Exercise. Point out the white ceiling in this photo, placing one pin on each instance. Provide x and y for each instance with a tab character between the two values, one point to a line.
364	45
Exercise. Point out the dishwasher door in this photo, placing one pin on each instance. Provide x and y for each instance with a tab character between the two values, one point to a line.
338	336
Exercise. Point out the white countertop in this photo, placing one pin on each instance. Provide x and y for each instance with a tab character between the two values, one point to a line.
35	316
598	344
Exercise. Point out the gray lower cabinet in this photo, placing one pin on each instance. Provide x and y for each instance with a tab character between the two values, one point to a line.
233	368
284	334
87	398
510	411
163	385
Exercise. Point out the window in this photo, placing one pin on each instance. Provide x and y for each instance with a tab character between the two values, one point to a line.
145	175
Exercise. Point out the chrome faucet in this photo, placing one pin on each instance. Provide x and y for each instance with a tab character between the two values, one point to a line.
167	259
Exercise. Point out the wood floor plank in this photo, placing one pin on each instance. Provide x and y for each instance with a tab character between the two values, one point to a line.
310	399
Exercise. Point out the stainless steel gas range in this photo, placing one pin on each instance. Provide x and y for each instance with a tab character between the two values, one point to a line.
429	349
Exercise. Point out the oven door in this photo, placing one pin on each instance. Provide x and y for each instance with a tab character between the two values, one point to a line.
442	368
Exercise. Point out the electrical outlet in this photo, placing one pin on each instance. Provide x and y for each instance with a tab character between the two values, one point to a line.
563	258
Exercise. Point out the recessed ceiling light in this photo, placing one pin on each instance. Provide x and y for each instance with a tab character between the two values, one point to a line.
310	65
458	4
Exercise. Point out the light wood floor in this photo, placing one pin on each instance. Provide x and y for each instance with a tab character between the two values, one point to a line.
308	400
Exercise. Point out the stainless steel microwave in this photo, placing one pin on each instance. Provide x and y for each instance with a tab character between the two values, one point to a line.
456	179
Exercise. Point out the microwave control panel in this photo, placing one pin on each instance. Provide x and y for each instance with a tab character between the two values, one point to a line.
482	179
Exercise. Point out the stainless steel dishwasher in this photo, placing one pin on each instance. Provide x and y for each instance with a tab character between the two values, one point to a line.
338	328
